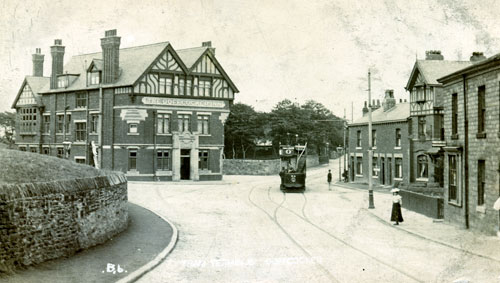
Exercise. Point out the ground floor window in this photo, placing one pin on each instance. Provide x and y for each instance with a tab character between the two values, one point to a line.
398	167
481	182
359	165
203	159
33	149
375	168
132	159
163	160
80	160
22	148
422	166
60	152
452	178
46	151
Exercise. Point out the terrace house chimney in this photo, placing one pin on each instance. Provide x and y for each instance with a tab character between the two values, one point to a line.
389	101
433	55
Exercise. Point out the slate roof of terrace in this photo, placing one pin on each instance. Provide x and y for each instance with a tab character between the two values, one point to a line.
400	112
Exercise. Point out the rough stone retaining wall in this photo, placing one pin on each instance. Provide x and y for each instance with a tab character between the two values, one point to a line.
259	167
42	221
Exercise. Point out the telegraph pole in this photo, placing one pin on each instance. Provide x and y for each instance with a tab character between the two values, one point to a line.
370	152
345	153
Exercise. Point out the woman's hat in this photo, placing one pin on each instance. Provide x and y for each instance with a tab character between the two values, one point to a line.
395	190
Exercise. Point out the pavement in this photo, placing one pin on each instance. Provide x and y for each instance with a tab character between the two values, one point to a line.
434	230
127	256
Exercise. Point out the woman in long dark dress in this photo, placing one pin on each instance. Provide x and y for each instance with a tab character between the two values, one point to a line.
396	206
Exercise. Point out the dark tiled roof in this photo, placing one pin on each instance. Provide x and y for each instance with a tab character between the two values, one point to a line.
133	62
37	83
190	55
432	70
400	112
471	68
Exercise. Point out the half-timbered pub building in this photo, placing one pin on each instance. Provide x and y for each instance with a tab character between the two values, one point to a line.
151	111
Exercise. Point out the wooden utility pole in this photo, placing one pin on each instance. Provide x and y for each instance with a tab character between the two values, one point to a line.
370	152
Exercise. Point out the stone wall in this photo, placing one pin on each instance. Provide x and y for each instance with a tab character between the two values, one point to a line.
42	221
259	167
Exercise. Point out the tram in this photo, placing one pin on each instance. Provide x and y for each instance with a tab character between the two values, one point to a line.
293	166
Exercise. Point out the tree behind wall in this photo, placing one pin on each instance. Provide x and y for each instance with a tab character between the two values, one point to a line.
7	127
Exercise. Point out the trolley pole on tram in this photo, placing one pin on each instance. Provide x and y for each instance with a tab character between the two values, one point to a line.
370	152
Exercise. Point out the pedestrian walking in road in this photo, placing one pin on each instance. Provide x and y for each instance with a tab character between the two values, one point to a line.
396	206
329	179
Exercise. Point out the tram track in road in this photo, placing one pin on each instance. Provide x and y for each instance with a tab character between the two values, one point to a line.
304	218
274	219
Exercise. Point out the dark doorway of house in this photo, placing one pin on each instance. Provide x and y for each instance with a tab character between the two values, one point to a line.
389	169
382	171
352	169
185	164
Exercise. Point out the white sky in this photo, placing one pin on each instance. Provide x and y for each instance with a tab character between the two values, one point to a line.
271	49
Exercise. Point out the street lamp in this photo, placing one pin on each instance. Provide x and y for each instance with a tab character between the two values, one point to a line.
339	151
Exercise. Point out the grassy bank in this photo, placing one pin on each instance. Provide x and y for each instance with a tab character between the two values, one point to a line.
26	167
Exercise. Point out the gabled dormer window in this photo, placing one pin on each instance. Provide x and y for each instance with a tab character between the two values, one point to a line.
94	78
62	81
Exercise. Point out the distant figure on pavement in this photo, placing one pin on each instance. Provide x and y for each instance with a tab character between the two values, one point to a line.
396	206
344	175
282	174
329	179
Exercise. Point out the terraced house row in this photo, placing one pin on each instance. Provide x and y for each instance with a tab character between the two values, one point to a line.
150	111
444	145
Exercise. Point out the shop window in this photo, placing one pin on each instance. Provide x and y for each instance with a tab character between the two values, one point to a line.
132	159
163	160
422	167
203	159
203	124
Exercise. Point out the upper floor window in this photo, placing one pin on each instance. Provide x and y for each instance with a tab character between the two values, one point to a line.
182	84
132	128
422	166
46	124
62	81
205	88
481	109
374	138
81	100
67	127
422	128
398	137
28	120
165	85
60	124
420	93
454	114
189	86
358	139
94	123
203	124
80	131
184	122
163	123
95	78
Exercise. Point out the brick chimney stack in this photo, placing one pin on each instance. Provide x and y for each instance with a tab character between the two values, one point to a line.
57	52
433	55
389	100
110	45
38	63
209	45
477	56
376	105
365	109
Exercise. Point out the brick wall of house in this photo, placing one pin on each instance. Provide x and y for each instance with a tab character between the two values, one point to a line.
43	221
385	148
483	218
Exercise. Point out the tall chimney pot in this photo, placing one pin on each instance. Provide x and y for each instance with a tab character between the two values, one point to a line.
110	45
38	59
477	56
57	52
